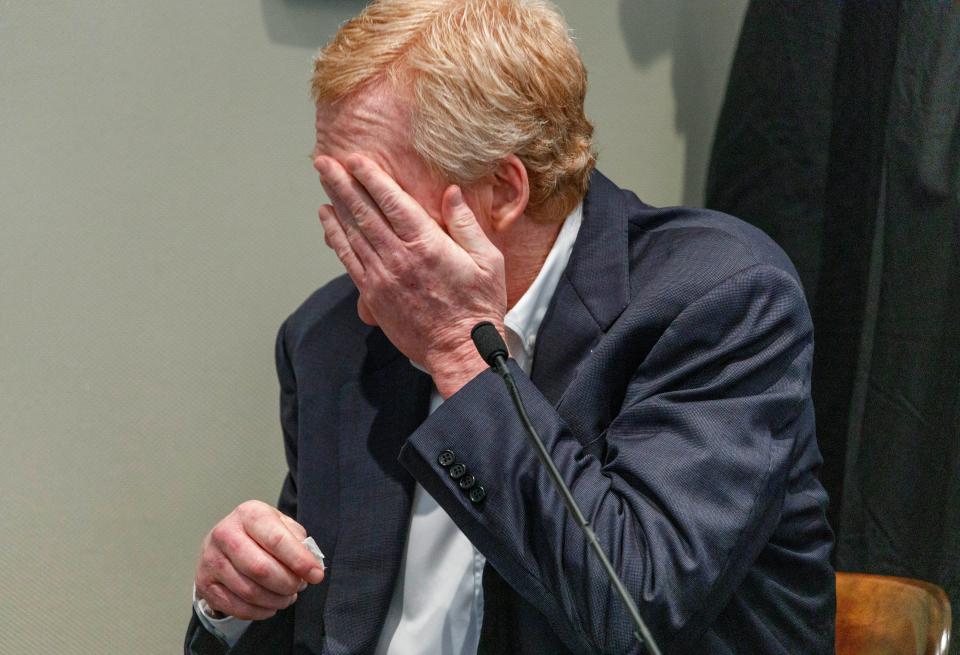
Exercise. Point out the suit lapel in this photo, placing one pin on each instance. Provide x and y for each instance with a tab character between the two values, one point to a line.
592	292
377	413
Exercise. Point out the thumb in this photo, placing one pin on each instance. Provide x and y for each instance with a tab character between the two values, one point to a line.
462	224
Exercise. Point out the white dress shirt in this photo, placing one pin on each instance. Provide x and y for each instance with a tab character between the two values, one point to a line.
437	603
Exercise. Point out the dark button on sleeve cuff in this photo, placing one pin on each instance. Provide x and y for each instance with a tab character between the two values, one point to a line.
446	458
477	494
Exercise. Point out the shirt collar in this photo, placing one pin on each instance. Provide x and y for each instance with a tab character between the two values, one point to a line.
524	318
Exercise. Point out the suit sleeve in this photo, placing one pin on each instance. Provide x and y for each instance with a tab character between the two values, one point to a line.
272	635
688	483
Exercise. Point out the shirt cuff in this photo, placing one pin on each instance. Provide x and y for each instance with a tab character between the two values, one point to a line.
229	628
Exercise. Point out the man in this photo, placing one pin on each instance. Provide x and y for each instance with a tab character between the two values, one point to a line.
664	357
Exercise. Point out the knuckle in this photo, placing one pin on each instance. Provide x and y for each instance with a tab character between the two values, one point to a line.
390	202
259	569
246	590
393	260
401	262
274	541
417	245
250	508
203	582
221	536
293	526
462	220
244	511
429	257
358	209
422	248
217	563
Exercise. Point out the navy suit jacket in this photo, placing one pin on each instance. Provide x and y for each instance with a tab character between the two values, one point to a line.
671	383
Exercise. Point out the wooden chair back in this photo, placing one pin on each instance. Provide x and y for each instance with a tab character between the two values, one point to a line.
884	615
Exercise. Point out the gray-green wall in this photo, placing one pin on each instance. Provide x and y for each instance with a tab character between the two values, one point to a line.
157	222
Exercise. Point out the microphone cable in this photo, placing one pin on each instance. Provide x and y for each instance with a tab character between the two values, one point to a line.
493	350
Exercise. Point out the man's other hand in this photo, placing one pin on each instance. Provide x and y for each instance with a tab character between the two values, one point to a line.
425	284
252	563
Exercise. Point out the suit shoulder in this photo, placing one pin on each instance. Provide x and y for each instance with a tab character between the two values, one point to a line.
684	244
714	237
697	249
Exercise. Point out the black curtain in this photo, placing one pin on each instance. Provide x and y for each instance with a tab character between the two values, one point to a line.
840	137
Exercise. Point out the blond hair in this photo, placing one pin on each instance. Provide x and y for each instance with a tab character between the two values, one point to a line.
484	79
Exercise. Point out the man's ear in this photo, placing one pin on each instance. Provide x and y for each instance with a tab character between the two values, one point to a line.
511	193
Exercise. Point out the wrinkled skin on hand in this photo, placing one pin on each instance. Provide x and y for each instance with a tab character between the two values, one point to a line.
252	563
426	284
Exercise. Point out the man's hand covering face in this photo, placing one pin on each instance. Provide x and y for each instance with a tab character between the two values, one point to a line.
425	287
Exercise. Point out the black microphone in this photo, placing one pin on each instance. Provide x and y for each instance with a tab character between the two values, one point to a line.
489	343
491	347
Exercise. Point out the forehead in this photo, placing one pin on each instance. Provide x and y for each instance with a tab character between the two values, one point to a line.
372	121
376	123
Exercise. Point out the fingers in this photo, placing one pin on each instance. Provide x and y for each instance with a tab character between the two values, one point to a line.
253	563
404	214
359	245
288	562
337	241
336	238
223	600
251	560
462	224
221	571
360	215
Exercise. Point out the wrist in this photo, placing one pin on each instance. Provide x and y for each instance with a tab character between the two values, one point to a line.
453	368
